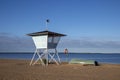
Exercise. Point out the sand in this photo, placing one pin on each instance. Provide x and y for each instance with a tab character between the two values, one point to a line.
20	70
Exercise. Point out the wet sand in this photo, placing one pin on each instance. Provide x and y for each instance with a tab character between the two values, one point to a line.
21	70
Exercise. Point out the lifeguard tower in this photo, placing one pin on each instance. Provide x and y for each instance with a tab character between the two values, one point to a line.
45	41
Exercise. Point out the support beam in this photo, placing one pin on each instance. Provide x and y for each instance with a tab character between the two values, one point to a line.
45	54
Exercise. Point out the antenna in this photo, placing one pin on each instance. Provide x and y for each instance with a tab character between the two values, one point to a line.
47	21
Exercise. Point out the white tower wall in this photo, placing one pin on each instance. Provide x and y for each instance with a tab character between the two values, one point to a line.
40	41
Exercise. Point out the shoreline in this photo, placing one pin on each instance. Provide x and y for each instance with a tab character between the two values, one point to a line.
61	61
21	70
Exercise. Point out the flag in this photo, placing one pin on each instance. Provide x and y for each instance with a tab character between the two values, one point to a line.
47	20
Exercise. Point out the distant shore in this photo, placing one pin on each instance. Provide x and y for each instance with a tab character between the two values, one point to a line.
20	70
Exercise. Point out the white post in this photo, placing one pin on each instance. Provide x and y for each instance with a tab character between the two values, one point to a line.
33	57
57	55
39	58
52	58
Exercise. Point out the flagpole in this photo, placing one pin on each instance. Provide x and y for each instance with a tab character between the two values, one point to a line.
46	26
47	21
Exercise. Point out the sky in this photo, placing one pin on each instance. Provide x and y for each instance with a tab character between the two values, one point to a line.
91	26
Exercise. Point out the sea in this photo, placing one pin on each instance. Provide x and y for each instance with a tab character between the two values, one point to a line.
111	58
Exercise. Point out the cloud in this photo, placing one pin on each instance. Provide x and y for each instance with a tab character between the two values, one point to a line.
9	43
89	43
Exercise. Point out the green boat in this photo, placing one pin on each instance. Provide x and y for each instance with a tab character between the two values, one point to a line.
83	62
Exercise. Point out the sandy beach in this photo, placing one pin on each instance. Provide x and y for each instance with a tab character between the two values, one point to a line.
20	70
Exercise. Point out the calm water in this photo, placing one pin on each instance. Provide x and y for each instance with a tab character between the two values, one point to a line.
101	58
